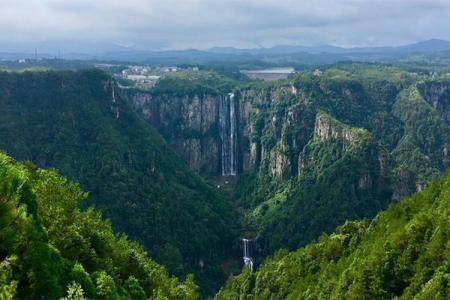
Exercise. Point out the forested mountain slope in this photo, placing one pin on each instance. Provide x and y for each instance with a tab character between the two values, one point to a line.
314	150
50	249
185	107
80	124
342	174
338	145
311	152
403	252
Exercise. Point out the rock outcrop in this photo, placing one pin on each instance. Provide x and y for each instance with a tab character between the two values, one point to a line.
275	124
190	124
437	94
327	128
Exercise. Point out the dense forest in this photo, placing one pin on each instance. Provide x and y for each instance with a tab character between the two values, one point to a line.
317	150
336	145
402	253
224	150
79	123
51	249
321	147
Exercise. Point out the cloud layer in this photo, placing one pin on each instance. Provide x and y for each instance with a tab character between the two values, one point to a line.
239	23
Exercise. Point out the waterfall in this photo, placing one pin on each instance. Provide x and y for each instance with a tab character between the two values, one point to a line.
232	136
248	249
227	120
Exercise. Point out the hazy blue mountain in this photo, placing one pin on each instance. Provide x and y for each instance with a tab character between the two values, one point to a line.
282	55
433	45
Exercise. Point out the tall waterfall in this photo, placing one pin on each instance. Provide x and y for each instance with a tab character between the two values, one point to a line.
227	118
248	249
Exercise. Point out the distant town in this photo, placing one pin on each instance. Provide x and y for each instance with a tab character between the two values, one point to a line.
142	77
136	76
146	77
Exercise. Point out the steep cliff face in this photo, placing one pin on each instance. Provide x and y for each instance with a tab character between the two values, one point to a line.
331	141
275	122
190	124
437	94
313	151
423	149
342	173
327	128
265	139
274	129
335	147
193	126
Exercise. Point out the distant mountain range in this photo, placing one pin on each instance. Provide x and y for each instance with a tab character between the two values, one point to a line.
70	49
433	45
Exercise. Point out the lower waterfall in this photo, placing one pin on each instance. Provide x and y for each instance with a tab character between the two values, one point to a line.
248	249
227	119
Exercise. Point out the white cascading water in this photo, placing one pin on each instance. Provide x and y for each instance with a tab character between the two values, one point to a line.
232	136
227	120
248	259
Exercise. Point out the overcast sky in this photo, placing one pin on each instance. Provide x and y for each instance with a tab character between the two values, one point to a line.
176	24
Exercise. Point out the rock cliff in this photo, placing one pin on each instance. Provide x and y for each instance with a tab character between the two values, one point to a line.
190	124
437	94
275	123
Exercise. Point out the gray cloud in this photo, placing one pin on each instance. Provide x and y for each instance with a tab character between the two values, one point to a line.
241	23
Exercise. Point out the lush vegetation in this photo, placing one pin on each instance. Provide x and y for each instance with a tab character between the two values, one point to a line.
50	249
327	146
345	143
403	252
337	180
79	123
190	83
45	64
386	141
